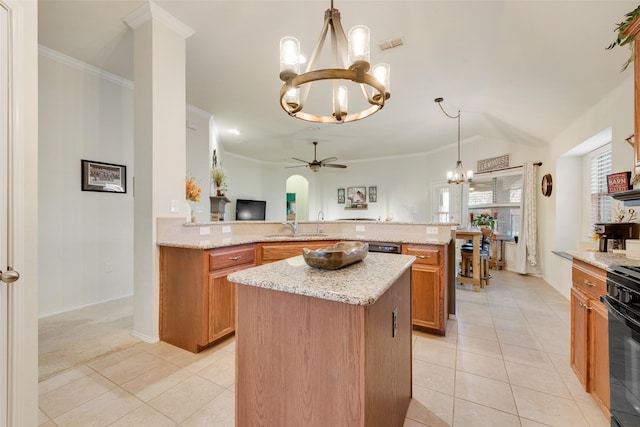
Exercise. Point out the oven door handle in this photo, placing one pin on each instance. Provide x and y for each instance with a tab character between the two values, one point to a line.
632	323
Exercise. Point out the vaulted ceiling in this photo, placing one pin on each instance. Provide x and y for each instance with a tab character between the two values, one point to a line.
519	71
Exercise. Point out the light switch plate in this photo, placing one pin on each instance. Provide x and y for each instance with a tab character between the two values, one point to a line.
226	229
432	230
359	227
174	206
205	230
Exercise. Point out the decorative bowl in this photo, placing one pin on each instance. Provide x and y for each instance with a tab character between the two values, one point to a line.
336	256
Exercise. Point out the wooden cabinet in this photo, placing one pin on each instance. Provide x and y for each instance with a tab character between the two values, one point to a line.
579	336
197	302
589	332
429	290
276	251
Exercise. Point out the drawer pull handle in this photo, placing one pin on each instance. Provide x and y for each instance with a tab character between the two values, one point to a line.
235	258
588	283
585	307
423	256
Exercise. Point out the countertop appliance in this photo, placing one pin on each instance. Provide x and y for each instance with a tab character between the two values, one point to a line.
623	303
388	248
612	235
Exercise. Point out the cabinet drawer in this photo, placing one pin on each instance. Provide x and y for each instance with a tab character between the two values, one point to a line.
229	257
589	279
270	252
425	254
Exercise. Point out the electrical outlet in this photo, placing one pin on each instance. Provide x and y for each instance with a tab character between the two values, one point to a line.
226	229
432	230
174	206
205	230
359	227
108	267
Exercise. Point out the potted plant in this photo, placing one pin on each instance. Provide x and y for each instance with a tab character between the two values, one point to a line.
624	38
485	220
218	176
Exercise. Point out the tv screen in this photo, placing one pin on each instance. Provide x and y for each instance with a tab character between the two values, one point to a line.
250	210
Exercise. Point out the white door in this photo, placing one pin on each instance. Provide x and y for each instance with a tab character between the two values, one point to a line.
18	206
4	116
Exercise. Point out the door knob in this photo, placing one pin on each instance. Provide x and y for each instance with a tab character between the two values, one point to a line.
9	276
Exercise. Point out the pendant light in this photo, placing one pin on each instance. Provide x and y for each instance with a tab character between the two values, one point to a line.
458	175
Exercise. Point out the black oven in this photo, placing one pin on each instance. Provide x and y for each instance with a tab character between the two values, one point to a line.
623	303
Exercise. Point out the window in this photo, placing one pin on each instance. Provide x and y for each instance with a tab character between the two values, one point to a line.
500	197
599	164
441	195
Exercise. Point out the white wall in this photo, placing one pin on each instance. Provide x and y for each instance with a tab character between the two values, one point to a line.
199	158
615	111
82	116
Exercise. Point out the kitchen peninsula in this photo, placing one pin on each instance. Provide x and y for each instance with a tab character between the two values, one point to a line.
197	301
324	347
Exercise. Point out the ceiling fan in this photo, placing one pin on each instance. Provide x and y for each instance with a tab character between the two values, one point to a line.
315	165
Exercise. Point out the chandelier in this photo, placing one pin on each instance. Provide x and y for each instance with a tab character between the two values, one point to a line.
350	61
457	176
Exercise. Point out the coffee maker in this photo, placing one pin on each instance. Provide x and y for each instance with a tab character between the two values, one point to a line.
612	235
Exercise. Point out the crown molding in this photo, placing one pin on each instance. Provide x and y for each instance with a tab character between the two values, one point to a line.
151	11
83	66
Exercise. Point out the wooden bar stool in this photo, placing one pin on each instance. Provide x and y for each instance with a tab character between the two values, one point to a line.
466	263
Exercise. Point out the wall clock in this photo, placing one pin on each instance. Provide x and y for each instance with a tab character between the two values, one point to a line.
547	185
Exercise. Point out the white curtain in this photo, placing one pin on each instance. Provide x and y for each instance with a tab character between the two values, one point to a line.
527	253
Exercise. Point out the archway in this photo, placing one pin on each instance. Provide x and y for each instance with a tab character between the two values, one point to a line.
297	198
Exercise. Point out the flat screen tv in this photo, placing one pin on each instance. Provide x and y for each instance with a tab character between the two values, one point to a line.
250	210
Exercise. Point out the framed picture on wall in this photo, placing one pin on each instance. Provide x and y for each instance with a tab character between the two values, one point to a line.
103	177
357	195
340	195
373	194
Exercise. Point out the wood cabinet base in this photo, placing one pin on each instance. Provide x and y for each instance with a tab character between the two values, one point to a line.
304	361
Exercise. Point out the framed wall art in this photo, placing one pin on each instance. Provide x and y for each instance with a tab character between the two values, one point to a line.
357	195
340	195
103	177
373	194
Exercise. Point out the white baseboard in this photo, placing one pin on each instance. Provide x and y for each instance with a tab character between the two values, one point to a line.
146	338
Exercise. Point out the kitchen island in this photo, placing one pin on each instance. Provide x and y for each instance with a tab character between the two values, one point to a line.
324	348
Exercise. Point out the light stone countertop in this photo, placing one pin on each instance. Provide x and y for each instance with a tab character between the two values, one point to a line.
215	242
361	283
603	259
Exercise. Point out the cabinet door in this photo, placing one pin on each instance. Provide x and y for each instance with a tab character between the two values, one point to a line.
599	354
426	298
221	306
579	336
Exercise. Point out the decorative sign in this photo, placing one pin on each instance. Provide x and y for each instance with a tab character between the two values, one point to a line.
617	182
494	163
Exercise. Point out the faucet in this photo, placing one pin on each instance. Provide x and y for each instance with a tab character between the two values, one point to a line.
320	217
293	225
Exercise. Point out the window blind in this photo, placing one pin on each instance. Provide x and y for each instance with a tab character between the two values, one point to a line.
600	161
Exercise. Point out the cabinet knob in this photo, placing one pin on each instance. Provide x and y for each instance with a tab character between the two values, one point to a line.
235	258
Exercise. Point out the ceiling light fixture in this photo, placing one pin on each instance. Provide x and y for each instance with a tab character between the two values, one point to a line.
355	53
457	176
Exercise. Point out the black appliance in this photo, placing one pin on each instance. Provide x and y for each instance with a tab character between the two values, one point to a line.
612	235
388	248
623	303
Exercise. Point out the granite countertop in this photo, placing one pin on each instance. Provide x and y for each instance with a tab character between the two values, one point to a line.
604	259
234	240
361	283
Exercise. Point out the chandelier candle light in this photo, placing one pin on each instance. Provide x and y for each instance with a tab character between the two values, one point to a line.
457	176
355	53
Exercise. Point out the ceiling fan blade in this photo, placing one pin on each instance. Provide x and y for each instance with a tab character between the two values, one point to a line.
329	159
297	166
300	160
333	165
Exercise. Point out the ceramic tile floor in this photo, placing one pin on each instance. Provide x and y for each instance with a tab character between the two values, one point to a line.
504	362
